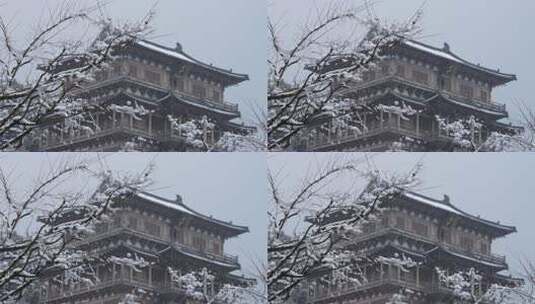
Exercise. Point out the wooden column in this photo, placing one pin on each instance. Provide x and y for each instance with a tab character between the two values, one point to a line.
418	275
150	124
381	119
398	121
382	274
417	124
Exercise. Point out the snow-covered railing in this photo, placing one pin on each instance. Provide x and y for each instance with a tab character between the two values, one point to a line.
490	105
490	257
222	105
388	278
136	283
55	141
226	258
325	141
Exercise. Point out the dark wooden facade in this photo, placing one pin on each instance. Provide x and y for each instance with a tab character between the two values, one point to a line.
165	81
431	232
166	233
433	81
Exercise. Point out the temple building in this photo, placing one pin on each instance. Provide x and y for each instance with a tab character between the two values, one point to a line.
165	233
432	82
165	82
433	233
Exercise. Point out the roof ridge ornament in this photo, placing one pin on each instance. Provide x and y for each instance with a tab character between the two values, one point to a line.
446	199
179	199
178	47
446	47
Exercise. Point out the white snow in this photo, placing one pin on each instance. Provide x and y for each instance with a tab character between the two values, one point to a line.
199	105
163	202
431	202
433	51
449	56
182	56
165	51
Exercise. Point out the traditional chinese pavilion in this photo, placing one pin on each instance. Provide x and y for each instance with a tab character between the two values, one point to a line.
433	233
166	82
431	81
166	233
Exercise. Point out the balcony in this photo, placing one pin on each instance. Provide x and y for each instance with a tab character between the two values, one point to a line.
490	105
161	287
119	230
116	79
493	258
387	279
399	127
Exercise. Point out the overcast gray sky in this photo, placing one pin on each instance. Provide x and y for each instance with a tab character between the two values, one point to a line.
229	34
498	187
497	34
228	186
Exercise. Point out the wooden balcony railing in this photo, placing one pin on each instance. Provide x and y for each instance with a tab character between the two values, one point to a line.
117	230
490	257
221	105
489	105
137	283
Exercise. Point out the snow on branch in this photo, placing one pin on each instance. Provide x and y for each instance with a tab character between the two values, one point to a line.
38	227
39	75
197	284
307	75
309	225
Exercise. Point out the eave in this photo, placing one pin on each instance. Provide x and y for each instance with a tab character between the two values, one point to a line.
179	208
445	55
444	206
179	56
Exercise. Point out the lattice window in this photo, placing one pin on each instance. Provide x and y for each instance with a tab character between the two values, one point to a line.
153	229
400	70
484	248
132	70
420	228
132	222
467	91
216	95
400	222
484	95
216	247
178	84
420	77
467	243
199	90
152	77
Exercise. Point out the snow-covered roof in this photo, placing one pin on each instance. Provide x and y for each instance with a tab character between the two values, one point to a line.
205	105
480	107
446	54
467	257
180	207
179	54
446	206
200	257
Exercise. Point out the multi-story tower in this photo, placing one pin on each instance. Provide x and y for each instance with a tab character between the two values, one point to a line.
433	81
433	233
165	233
165	82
